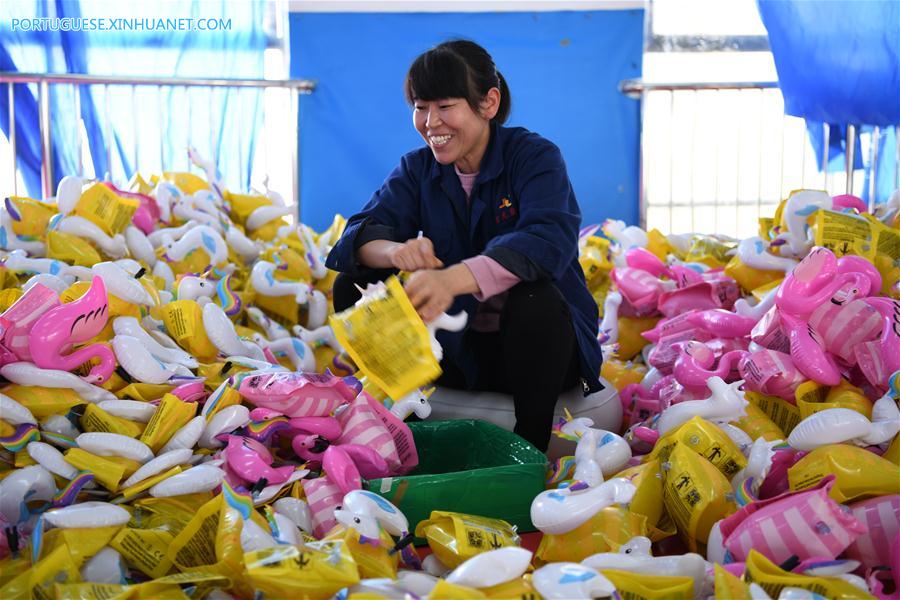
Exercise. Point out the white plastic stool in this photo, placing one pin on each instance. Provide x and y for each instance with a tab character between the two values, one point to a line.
603	407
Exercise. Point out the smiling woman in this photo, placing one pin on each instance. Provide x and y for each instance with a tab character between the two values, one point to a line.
485	219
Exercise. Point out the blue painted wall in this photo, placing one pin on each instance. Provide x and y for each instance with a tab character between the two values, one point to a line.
563	69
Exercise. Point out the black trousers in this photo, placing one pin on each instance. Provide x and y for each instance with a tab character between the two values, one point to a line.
534	357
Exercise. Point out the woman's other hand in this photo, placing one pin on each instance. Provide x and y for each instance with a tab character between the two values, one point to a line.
433	291
415	255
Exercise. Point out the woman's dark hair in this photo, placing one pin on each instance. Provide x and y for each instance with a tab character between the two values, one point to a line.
457	69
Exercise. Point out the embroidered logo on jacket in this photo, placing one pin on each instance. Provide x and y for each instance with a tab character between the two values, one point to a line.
506	211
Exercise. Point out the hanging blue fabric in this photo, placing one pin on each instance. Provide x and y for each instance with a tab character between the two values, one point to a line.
28	142
156	122
838	61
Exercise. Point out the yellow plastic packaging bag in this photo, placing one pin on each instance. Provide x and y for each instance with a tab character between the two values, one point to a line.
388	341
151	590
184	322
761	292
221	397
135	489
455	538
843	233
648	481
97	419
11	567
696	495
282	309
659	245
168	514
707	440
650	587
29	216
195	261
106	209
449	591
784	414
71	249
211	542
187	182
622	373
9	295
82	544
710	250
772	579
630	339
859	473
107	472
729	586
269	231
594	259
757	424
892	454
244	204
319	570
813	397
43	402
766	224
170	416
604	532
145	392
37	582
372	561
144	550
887	258
748	277
517	588
292	263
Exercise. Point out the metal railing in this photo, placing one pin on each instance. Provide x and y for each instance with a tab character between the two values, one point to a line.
44	82
716	156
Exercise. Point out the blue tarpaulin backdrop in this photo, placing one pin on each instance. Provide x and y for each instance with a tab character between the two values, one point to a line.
838	62
563	69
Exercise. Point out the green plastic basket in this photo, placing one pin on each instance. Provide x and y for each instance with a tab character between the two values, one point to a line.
470	467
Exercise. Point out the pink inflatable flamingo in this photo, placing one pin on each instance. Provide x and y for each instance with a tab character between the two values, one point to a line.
685	276
147	214
344	464
720	292
327	427
643	259
845	201
640	288
251	461
879	359
694	366
772	373
347	464
722	323
638	404
808	354
821	277
73	323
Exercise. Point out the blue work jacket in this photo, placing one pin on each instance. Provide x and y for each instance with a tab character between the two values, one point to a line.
522	213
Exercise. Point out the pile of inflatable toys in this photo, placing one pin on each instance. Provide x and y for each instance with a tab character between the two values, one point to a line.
178	419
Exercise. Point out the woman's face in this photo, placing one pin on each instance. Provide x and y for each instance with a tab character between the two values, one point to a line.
455	133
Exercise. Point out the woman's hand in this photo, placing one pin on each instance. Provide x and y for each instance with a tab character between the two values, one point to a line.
433	291
416	254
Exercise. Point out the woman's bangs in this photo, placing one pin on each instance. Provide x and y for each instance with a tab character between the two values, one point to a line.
437	75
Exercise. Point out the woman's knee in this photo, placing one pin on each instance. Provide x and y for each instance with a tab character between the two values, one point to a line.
536	301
